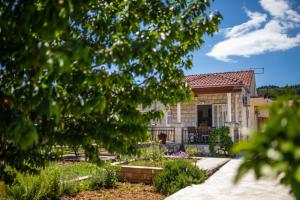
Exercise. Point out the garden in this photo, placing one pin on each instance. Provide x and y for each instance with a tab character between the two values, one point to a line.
152	172
82	179
75	75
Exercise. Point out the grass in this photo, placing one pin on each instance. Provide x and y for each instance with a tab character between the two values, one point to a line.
149	163
155	163
76	170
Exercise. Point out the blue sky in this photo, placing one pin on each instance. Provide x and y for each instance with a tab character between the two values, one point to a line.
254	34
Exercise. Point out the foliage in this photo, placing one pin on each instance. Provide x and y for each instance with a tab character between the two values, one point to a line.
78	72
192	151
100	177
221	136
157	163
213	140
149	163
111	176
75	170
26	186
273	91
153	152
178	174
274	150
55	181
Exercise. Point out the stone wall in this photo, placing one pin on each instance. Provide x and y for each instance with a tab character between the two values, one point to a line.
188	109
139	174
189	112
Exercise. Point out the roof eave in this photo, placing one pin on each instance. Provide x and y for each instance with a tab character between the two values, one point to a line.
217	89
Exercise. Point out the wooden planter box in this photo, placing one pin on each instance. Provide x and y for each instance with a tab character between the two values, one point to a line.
139	174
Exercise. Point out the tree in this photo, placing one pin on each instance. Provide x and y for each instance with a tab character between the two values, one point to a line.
78	71
274	150
273	91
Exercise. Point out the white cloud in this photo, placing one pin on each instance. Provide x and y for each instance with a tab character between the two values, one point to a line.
276	8
259	34
256	20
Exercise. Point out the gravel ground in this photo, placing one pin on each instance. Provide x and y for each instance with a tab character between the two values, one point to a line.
124	191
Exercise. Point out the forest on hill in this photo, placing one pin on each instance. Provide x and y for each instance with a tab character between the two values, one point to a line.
272	91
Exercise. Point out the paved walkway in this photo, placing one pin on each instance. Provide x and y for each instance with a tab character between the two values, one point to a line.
220	187
211	164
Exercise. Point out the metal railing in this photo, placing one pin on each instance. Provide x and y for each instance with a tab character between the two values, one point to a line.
193	135
157	132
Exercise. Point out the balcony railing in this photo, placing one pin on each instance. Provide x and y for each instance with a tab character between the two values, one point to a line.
157	132
193	135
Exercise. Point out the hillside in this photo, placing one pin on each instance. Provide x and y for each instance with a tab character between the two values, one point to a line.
271	91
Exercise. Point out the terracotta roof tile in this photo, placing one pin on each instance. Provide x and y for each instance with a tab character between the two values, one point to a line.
237	78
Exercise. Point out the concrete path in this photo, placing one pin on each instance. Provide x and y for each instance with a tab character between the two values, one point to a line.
211	164
220	187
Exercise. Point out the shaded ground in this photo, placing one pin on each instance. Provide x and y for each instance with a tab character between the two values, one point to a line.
124	191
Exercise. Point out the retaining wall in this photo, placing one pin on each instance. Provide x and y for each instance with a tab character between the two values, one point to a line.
139	174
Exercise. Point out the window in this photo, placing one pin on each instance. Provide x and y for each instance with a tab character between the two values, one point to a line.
246	100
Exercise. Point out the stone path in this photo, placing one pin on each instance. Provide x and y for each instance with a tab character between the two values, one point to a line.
220	187
211	164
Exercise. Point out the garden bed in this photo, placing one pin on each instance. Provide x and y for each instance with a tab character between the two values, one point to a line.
61	179
149	163
124	191
159	163
144	171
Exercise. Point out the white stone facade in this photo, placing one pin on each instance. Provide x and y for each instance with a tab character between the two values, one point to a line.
229	108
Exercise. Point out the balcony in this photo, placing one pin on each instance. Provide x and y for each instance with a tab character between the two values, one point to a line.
159	132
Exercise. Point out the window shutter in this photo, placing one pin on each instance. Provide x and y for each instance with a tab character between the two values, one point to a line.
219	115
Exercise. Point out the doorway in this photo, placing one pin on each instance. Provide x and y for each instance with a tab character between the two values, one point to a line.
204	116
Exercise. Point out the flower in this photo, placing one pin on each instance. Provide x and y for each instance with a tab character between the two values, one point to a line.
180	154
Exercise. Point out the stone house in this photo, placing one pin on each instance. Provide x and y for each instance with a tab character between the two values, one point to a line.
260	114
220	99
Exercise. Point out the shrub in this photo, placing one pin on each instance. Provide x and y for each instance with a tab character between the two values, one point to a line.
274	150
176	175
221	136
151	153
46	185
192	151
105	177
54	181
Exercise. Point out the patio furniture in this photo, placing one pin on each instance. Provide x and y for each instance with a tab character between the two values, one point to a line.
192	134
163	134
203	133
162	137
